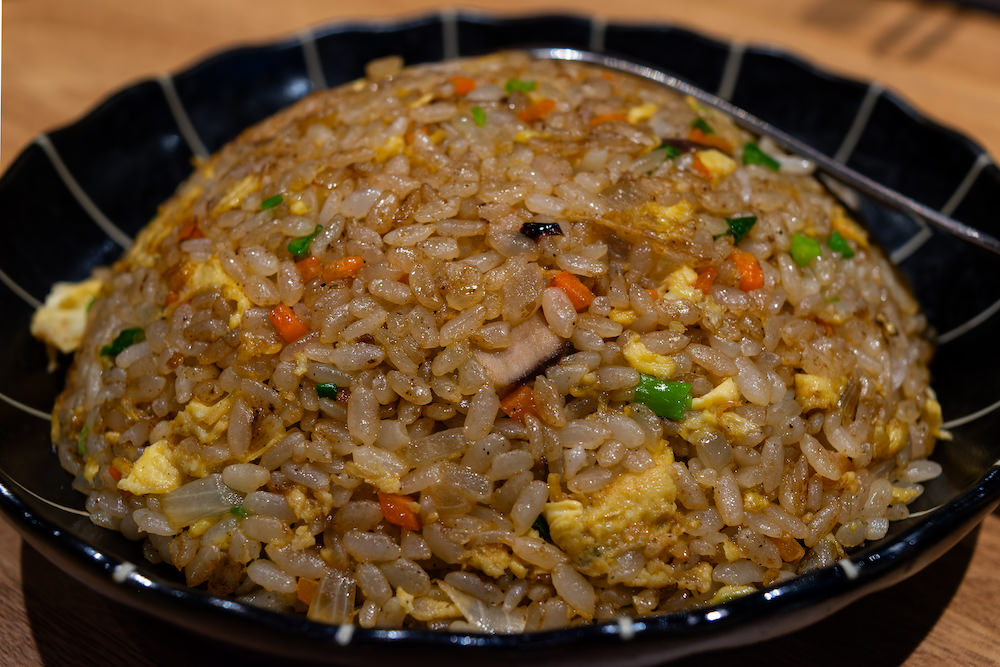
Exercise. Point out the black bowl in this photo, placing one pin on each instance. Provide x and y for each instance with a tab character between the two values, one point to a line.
73	199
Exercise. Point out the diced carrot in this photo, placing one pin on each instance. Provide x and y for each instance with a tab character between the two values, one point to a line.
400	510
579	295
305	590
288	324
171	298
346	267
654	295
605	118
310	269
115	473
826	326
751	275
710	140
700	167
519	403
537	110
705	279
190	230
463	84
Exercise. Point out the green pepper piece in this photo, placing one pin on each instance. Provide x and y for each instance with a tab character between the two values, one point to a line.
125	339
804	249
478	116
752	154
838	243
666	399
271	202
300	246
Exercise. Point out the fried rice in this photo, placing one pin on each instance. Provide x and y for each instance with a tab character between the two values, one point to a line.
498	345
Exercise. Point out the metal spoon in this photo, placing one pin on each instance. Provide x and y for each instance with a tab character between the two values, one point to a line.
827	165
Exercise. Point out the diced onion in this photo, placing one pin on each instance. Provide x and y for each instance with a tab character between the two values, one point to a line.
200	499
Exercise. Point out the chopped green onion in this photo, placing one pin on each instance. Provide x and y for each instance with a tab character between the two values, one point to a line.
81	440
839	244
478	116
702	124
90	303
752	154
239	511
666	399
542	526
271	202
833	299
519	86
670	151
804	249
126	338
741	226
300	246
327	390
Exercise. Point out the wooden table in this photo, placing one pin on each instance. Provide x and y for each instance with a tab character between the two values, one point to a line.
61	56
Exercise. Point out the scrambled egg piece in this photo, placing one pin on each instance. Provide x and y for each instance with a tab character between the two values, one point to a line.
847	228
816	392
629	514
393	146
680	285
237	193
209	275
205	422
889	438
623	316
716	162
63	317
494	560
153	472
669	217
637	114
724	395
646	361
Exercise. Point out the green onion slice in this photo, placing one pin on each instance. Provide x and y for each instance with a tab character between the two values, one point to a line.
542	526
702	124
239	511
670	151
666	399
519	86
741	226
271	202
81	440
327	390
300	246
125	339
752	154
804	249
838	243
478	116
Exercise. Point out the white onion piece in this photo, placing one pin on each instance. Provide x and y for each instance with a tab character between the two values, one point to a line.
334	599
483	616
199	499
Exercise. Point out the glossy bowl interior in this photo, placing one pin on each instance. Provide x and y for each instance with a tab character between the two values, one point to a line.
79	193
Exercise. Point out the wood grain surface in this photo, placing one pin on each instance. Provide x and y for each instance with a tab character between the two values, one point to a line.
60	57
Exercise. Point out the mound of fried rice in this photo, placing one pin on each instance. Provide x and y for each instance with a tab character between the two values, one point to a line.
498	345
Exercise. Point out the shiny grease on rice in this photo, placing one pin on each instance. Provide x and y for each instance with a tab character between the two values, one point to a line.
365	388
